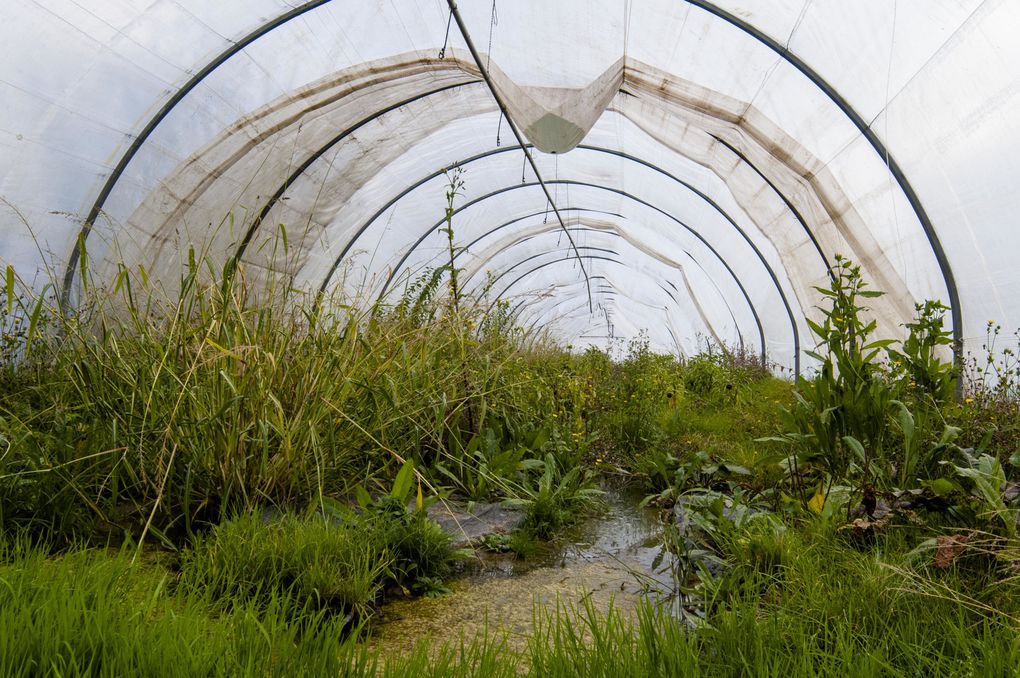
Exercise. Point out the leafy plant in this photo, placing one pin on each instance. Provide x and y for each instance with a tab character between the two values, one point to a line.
918	360
556	498
985	478
491	462
421	553
846	416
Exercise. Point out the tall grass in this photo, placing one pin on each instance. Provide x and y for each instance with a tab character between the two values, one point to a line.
831	611
165	414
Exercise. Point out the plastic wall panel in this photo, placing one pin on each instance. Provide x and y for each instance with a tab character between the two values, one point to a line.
938	81
691	44
953	128
873	60
776	18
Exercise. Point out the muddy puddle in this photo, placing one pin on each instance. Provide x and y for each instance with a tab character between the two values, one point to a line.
608	560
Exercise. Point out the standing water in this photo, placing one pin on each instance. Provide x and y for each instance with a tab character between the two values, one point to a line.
609	560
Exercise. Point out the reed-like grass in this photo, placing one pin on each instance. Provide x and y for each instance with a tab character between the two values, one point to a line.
161	416
834	610
138	419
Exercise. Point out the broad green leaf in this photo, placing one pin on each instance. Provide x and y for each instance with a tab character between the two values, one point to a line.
402	483
855	445
540	438
942	487
363	497
735	469
905	420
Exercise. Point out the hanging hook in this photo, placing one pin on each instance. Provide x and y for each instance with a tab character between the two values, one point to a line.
446	40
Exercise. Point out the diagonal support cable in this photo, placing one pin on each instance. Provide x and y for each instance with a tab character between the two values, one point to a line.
520	140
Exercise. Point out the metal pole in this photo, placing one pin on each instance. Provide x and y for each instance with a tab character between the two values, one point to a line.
520	140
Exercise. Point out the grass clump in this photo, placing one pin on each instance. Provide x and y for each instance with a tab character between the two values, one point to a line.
556	498
96	613
341	563
319	565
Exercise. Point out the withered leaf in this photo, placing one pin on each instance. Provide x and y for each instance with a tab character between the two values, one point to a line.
948	549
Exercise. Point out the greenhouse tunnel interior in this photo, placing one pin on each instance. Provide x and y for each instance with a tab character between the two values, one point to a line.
689	172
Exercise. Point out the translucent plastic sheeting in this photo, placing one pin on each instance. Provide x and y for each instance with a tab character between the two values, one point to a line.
715	156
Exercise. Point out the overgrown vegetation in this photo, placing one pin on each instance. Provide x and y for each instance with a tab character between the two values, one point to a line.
283	454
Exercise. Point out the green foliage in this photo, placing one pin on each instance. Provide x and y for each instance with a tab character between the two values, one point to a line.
842	413
983	478
810	606
322	566
96	613
486	468
159	417
556	498
918	361
182	417
341	562
700	470
454	188
648	411
854	420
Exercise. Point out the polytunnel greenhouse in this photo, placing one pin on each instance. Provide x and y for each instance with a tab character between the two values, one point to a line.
315	306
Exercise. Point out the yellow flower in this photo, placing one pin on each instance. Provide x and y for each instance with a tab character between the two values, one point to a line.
968	400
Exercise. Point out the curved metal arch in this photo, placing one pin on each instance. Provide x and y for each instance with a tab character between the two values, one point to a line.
485	235
706	198
606	288
296	174
597	149
615	234
695	233
531	237
531	335
465	248
150	127
364	227
539	267
876	143
782	196
530	327
669	294
544	265
746	27
499	277
701	194
729	308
